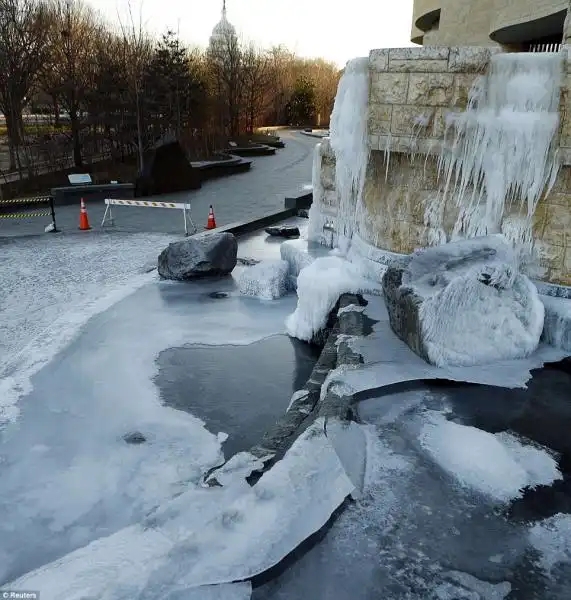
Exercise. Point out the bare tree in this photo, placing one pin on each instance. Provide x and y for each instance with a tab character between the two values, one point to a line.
136	53
225	62
256	80
74	29
23	47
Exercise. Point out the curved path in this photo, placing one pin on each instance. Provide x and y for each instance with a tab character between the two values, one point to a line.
235	198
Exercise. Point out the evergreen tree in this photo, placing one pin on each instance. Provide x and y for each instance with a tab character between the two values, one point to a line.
301	108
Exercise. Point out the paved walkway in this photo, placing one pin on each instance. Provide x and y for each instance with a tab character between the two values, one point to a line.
235	198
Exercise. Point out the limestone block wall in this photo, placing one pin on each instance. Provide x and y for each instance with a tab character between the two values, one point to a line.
411	91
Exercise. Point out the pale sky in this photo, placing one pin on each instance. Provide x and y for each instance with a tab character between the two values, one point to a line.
337	30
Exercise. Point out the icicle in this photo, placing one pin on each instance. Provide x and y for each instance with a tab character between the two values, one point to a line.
500	152
349	141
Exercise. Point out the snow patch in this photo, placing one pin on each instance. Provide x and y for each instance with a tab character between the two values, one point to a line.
268	280
499	465
319	286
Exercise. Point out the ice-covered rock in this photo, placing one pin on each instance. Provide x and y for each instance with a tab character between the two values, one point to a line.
557	326
267	280
212	255
465	303
319	287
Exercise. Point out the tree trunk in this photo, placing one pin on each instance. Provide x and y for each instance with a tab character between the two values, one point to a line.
56	111
139	131
74	119
14	128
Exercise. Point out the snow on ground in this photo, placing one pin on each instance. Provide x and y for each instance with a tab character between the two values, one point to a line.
499	465
207	536
319	286
51	286
552	539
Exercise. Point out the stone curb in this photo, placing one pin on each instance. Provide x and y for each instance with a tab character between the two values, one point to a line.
306	403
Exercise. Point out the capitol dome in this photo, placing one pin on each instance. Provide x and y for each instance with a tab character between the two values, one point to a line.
223	28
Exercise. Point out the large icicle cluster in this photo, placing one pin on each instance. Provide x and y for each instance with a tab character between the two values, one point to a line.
349	141
500	152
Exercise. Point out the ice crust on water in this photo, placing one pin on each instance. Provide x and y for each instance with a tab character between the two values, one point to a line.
500	152
552	539
232	533
499	465
319	286
268	280
465	321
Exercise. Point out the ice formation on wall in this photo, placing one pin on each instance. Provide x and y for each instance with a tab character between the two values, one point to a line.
318	219
500	152
350	145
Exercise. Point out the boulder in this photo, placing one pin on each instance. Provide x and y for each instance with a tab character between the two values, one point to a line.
212	255
464	303
267	280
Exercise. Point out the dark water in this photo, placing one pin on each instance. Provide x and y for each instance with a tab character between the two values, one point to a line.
416	534
240	390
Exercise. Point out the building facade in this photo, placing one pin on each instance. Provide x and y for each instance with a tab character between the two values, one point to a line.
517	25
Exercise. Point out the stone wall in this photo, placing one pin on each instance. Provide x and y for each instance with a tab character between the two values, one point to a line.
411	91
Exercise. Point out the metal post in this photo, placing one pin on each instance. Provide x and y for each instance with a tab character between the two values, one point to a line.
184	217
53	211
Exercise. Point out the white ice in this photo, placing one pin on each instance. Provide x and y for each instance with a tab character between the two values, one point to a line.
68	477
499	466
349	141
552	539
557	326
500	153
207	536
47	295
388	360
267	280
319	286
462	320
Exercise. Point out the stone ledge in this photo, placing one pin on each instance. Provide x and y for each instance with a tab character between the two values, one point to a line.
306	405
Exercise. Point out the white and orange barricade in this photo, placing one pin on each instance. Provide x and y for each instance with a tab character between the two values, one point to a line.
189	225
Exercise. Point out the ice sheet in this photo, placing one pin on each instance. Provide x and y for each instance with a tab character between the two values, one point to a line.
67	475
207	536
388	360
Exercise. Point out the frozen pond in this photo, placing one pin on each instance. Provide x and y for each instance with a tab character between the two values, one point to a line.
418	534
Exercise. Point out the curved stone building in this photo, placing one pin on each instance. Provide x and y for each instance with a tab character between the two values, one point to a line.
515	24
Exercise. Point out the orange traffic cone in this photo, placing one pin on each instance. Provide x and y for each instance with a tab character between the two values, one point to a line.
211	220
83	218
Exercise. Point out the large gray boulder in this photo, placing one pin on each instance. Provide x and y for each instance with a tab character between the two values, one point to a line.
464	303
212	255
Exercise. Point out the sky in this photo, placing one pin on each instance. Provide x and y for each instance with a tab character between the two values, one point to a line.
336	30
